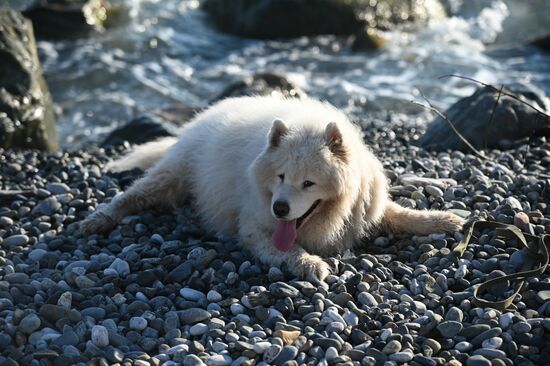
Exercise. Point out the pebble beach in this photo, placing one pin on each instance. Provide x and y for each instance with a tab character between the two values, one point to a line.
161	290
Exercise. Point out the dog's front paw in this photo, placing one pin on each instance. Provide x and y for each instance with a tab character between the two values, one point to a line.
96	223
313	268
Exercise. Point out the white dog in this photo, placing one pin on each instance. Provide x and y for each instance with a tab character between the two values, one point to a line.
292	179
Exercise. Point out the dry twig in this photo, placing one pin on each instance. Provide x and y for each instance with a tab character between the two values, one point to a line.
495	89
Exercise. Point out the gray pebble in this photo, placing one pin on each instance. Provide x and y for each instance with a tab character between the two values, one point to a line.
138	323
16	240
29	324
449	329
100	336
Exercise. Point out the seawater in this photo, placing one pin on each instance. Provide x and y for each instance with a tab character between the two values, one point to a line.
168	53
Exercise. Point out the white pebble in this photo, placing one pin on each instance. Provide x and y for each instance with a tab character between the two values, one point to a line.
198	329
261	347
331	353
219	360
351	318
494	343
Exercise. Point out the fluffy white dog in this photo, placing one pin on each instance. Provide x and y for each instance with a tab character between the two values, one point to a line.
292	179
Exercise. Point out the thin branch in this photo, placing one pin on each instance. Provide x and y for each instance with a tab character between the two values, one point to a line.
494	109
495	89
446	119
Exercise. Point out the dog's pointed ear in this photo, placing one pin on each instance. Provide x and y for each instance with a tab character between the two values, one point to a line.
335	142
278	130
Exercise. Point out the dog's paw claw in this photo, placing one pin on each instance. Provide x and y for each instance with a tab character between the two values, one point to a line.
96	223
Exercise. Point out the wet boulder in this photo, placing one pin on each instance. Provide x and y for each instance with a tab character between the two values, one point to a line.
268	19
140	130
512	122
261	84
283	18
542	42
26	116
67	18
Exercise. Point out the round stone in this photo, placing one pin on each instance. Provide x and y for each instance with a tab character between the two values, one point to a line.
331	353
16	240
521	220
121	267
100	336
237	308
493	342
287	353
37	254
194	315
219	360
464	346
138	323
29	324
272	352
478	360
367	299
198	329
449	329
402	357
521	327
65	300
213	296
192	295
433	191
392	347
454	314
261	347
192	360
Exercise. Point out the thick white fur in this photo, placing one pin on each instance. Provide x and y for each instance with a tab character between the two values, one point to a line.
229	159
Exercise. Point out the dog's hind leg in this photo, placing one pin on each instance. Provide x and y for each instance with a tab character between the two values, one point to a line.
162	186
398	219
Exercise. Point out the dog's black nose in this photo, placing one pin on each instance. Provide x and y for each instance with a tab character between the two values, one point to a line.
281	208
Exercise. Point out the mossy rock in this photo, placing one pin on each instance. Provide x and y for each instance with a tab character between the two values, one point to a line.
26	116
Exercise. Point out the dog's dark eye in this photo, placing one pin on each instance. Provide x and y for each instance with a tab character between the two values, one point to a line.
282	177
307	183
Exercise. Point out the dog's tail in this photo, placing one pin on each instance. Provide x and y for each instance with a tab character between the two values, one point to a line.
143	156
398	219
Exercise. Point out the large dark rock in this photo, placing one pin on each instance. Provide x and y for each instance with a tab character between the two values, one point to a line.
267	19
512	122
543	43
261	84
26	116
167	121
67	18
140	130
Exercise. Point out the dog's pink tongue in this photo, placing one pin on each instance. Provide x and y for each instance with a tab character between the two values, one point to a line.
284	235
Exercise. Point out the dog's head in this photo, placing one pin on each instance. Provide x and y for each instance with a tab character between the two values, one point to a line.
300	170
